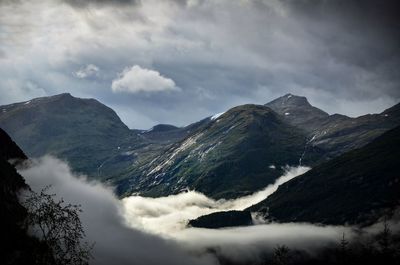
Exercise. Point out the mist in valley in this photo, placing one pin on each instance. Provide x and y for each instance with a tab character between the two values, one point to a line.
143	230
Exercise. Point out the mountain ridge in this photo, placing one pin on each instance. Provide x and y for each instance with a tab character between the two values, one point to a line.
234	150
94	140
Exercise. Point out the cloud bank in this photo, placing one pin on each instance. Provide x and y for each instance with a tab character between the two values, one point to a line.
165	215
115	242
141	231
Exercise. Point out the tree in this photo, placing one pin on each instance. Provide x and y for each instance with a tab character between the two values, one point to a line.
384	237
343	244
281	255
58	226
343	250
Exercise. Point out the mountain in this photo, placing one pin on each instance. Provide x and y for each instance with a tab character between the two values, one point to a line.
82	131
86	133
333	134
224	156
224	160
232	155
356	187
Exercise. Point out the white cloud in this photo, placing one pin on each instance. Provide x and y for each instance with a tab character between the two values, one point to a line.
89	70
167	215
120	228
137	79
122	238
115	242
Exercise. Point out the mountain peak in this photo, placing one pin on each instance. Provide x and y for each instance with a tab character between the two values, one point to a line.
64	95
297	111
54	97
290	100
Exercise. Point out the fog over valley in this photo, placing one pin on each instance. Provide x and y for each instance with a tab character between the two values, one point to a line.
136	227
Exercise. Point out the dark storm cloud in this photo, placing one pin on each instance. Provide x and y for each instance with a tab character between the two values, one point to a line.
364	35
85	3
342	55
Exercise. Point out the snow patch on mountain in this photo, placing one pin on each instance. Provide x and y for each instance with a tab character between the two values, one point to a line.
216	116
184	146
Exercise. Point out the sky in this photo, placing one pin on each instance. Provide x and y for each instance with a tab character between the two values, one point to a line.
178	61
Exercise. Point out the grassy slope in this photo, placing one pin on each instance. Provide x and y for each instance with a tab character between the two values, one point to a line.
354	187
83	131
228	157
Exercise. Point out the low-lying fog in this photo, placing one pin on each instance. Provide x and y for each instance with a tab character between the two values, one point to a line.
138	230
168	215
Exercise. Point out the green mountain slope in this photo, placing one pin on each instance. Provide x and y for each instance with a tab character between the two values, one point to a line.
227	156
82	131
353	188
86	133
230	156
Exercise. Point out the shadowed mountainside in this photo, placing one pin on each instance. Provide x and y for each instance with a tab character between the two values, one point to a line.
353	188
357	187
230	155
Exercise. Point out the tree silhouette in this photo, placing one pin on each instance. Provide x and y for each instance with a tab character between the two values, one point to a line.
58	226
384	237
281	255
343	249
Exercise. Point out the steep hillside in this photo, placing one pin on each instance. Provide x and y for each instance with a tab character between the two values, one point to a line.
235	154
353	188
16	244
9	149
10	181
334	134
